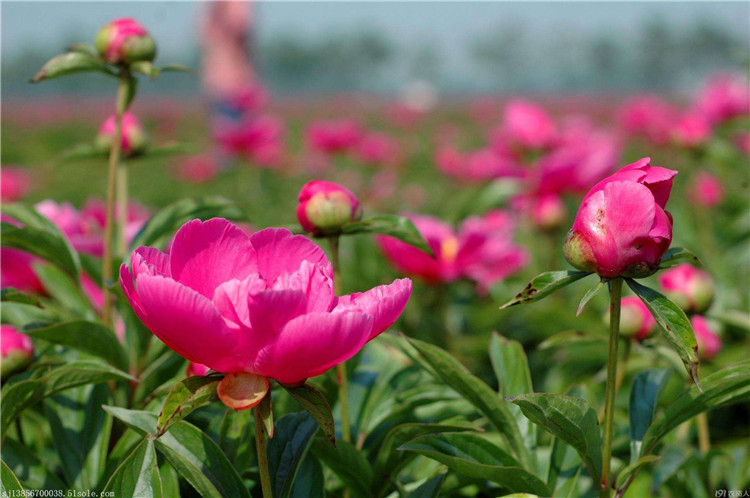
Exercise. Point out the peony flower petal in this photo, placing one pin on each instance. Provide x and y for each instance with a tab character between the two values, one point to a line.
230	298
311	344
271	310
206	254
128	287
188	323
151	260
279	251
311	279
385	303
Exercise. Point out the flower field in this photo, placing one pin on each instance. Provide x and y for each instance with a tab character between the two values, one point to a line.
369	296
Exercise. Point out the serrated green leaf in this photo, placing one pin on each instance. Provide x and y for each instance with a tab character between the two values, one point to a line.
89	337
138	475
570	419
471	455
317	406
394	226
69	63
294	433
543	285
673	323
185	397
476	392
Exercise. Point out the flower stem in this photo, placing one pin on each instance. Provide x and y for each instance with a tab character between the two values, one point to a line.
260	446
341	367
114	157
122	209
615	293
704	439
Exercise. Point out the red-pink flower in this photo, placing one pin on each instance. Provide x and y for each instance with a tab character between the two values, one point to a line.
253	138
690	288
479	165
724	97
709	342
527	125
125	41
14	183
636	320
706	190
691	130
197	369
324	207
261	304
134	138
482	250
621	227
197	169
379	149
648	116
333	136
17	270
16	350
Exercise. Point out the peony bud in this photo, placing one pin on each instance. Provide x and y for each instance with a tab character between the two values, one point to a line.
635	319
324	207
16	350
706	190
709	343
621	228
124	41
690	288
134	139
548	212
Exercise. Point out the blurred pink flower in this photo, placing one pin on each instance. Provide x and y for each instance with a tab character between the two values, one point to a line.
690	288
262	304
16	350
134	138
648	116
636	320
709	342
482	250
743	143
480	165
124	41
621	227
527	125
379	149
706	190
333	136
724	97
14	183
16	270
251	137
197	169
691	130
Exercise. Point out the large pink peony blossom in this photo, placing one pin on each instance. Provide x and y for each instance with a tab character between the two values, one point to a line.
261	304
621	227
482	250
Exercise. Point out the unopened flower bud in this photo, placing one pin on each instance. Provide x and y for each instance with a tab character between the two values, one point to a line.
16	350
325	207
690	288
635	319
125	41
709	342
134	139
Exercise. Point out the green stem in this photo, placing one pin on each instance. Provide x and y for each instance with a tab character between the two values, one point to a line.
341	367
615	293
704	438
122	209
114	157
260	446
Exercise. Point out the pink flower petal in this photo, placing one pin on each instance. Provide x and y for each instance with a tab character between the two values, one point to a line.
206	254
230	299
385	303
279	251
312	280
311	344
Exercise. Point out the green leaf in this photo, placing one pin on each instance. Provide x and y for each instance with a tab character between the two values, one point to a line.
84	49
644	394
166	221
21	395
348	464
89	337
294	433
69	63
430	488
398	227
471	455
476	392
729	385
631	470
570	419
64	289
571	337
514	378
543	285
28	467
40	237
589	295
10	483
676	255
673	323
310	480
317	406
80	431
192	453
177	68
185	397
389	461
11	295
265	409
146	68
138	475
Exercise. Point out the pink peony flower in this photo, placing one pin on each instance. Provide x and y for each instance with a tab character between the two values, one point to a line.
480	165
18	272
690	288
125	41
621	227
527	125
333	136
691	130
724	97
709	343
324	207
260	139
261	304
197	169
134	138
14	183
16	350
548	211
379	149
706	190
482	250
636	320
648	116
